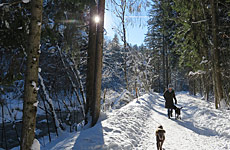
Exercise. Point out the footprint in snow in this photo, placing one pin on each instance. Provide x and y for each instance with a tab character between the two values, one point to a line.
107	129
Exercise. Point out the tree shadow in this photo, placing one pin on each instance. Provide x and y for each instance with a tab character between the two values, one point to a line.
90	139
199	130
152	102
186	124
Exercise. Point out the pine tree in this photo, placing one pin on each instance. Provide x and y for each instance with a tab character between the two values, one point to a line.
159	38
217	81
98	64
91	60
197	42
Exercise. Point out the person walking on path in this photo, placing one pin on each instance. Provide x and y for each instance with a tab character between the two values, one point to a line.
169	95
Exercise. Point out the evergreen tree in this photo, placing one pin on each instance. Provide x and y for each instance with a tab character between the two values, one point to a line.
98	64
161	29
196	38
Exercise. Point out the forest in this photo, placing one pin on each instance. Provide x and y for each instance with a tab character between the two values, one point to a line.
59	72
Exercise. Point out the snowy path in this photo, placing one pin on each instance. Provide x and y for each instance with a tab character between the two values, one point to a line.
132	128
184	134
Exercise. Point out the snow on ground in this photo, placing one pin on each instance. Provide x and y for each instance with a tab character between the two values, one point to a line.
132	127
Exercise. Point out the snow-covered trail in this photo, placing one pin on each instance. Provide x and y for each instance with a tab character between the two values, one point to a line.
132	127
186	133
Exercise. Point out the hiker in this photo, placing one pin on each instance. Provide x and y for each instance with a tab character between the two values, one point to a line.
169	95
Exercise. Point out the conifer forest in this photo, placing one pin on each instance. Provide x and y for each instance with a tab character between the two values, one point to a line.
60	71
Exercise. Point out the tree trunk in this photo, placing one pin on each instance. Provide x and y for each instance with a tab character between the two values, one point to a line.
126	77
190	86
216	57
91	61
207	92
31	80
215	93
205	49
206	77
163	60
159	76
167	65
121	15
98	63
205	84
47	119
105	90
3	128
49	101
125	43
194	87
13	123
82	104
200	87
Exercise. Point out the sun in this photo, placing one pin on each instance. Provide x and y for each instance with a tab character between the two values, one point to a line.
97	19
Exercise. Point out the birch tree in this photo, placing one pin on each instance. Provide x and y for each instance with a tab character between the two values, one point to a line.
121	9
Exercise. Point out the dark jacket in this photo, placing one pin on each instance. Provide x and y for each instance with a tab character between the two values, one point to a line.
169	96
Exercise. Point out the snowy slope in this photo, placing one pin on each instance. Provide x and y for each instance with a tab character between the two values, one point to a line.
132	127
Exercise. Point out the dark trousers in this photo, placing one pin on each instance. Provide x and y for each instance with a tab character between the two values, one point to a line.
170	112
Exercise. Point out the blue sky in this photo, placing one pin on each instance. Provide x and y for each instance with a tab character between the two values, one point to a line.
135	34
